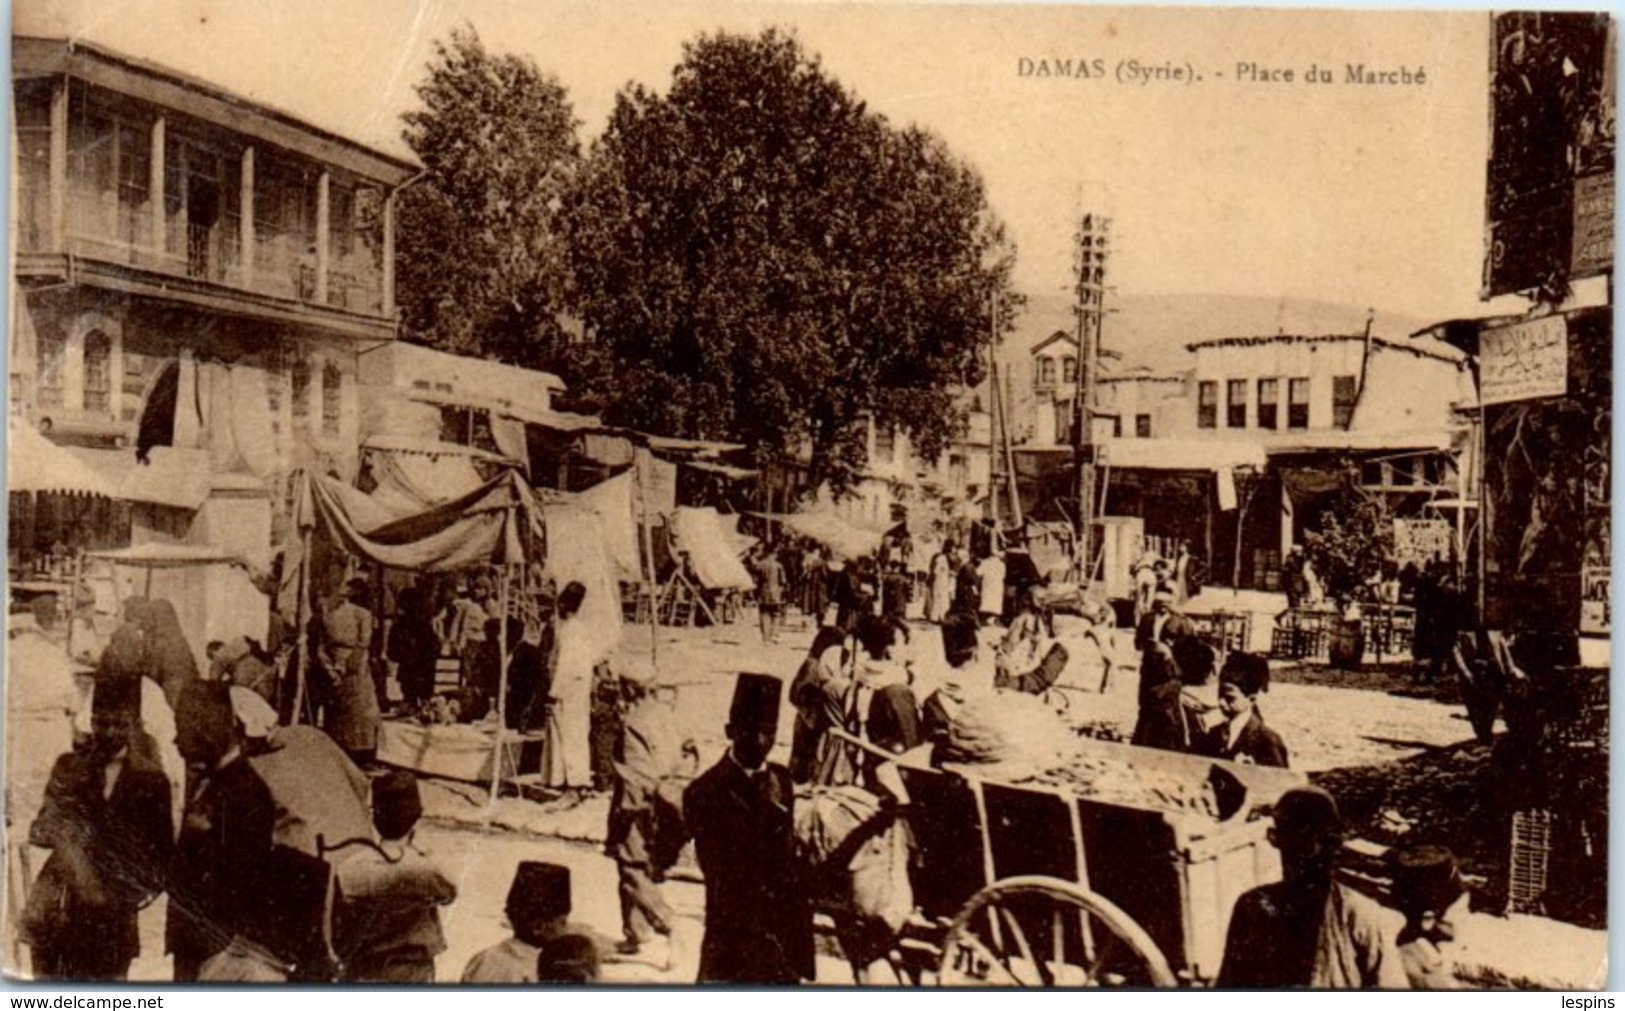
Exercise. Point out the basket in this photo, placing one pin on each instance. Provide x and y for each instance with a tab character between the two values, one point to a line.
1531	859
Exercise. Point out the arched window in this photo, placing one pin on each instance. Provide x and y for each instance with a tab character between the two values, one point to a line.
51	351
1069	369
332	380
1046	371
299	388
98	373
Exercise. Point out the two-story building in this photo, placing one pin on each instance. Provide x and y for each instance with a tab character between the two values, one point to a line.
1131	401
196	276
1329	408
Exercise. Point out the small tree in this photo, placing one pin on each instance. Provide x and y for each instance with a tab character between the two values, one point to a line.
1357	538
481	267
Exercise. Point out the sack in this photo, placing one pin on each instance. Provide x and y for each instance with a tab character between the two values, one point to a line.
46	915
856	856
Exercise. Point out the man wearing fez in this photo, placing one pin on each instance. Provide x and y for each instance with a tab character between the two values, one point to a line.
387	927
758	925
217	880
538	911
106	821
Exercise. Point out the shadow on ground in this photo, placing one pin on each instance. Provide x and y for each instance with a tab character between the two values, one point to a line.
1394	678
1443	797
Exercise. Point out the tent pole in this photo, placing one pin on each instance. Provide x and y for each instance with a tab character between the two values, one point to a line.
73	597
499	753
646	539
301	633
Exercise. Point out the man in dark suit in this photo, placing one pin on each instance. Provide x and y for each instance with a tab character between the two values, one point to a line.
758	924
106	820
217	880
1159	629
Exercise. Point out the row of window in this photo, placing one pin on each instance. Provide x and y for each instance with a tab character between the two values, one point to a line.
1045	376
1063	424
111	144
97	372
1344	393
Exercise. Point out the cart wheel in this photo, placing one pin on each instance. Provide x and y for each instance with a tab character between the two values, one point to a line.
1042	931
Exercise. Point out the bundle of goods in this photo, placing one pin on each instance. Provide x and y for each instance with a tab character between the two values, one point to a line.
1112	781
1007	736
856	856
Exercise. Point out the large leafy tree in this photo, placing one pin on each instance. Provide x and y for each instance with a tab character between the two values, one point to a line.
481	269
758	257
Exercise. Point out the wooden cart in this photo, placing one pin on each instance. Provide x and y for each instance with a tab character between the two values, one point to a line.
1029	885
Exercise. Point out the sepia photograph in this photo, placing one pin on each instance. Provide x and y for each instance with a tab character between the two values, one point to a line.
531	493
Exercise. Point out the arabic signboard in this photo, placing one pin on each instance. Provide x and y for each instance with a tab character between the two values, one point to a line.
1524	361
1593	247
1419	541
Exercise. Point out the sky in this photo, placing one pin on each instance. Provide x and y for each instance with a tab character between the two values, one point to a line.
1363	194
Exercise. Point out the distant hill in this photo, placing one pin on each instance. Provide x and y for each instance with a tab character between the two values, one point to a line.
1152	330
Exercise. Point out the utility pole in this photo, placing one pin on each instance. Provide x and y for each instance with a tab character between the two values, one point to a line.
1093	238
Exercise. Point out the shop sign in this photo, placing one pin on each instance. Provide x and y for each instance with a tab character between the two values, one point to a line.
1524	361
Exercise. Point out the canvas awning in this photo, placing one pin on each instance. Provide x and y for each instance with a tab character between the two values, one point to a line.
415	474
165	556
1152	454
701	534
36	464
433	448
1419	440
703	447
1182	454
732	473
485	525
559	421
174	477
842	538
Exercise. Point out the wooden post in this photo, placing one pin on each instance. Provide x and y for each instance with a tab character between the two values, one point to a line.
388	302
301	619
324	216
499	753
73	597
155	186
57	200
245	208
646	541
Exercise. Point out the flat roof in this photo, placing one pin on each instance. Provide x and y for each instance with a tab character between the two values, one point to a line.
1419	346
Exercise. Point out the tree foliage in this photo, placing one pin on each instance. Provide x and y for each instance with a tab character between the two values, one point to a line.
760	258
481	268
1355	540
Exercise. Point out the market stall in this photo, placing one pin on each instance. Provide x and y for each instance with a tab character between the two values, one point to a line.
499	527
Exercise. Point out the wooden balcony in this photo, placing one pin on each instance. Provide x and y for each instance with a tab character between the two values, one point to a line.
109	246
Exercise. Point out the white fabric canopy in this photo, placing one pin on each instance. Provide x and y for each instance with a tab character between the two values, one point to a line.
700	533
36	464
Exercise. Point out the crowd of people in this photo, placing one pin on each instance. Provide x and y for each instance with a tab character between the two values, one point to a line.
354	898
